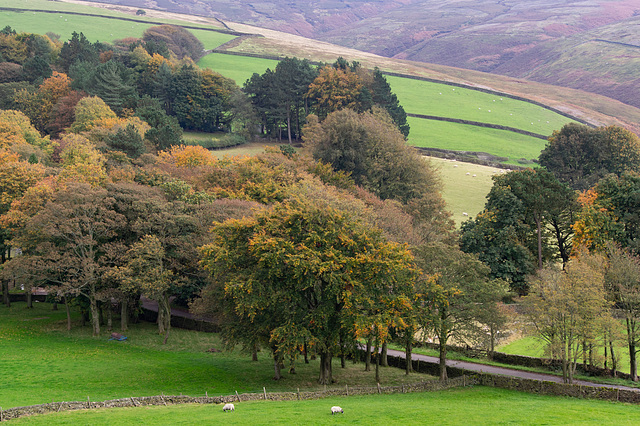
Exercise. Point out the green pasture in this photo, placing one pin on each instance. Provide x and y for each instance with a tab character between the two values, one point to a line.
461	406
237	68
40	361
94	28
427	98
465	186
465	137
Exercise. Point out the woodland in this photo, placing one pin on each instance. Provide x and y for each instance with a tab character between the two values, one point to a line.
337	239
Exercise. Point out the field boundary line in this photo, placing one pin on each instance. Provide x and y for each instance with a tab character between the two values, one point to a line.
122	18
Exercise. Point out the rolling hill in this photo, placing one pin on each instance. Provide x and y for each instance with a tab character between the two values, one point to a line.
540	40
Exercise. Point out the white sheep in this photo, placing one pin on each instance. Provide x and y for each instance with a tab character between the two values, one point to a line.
335	409
465	214
468	173
228	407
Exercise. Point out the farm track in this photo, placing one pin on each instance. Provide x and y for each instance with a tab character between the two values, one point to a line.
463	365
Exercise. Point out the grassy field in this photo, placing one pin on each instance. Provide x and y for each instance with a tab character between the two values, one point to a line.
423	97
237	68
42	362
94	28
464	137
477	405
464	192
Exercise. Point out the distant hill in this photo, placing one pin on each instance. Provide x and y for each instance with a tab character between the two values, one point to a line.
588	45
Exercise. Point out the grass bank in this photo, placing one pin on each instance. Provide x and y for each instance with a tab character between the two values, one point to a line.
477	405
43	362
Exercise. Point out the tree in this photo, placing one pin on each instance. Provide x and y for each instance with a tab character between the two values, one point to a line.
145	272
610	213
91	111
307	269
77	49
335	89
622	280
567	308
180	41
370	148
528	215
451	294
580	156
63	242
39	105
127	140
382	96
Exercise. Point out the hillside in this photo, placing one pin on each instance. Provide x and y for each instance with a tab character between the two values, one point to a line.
508	37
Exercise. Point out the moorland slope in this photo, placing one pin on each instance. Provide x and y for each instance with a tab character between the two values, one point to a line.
588	45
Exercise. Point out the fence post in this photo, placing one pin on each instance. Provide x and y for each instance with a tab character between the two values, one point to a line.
206	394
379	391
346	387
298	394
264	389
238	396
88	402
617	396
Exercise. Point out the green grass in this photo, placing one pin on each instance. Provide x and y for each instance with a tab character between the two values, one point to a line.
422	97
464	137
94	28
237	68
462	192
46	363
477	405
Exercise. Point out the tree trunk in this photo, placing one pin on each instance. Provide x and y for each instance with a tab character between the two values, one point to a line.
109	317
305	349
631	340
163	304
443	361
29	299
378	356
276	367
68	309
5	293
124	314
614	361
289	124
383	356
254	353
326	374
54	306
367	356
492	341
407	356
95	316
539	229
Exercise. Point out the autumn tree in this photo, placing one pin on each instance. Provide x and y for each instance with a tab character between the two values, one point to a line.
335	89
177	39
610	213
567	308
62	243
308	268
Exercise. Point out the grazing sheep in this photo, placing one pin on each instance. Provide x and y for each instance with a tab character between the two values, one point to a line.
335	409
228	407
468	173
474	176
465	214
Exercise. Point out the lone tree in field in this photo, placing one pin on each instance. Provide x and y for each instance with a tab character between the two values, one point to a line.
305	273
